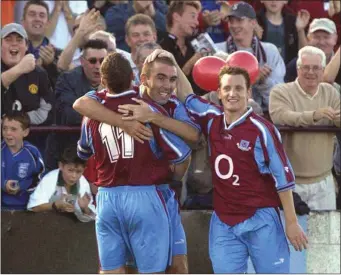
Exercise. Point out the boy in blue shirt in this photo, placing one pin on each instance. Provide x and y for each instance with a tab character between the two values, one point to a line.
21	162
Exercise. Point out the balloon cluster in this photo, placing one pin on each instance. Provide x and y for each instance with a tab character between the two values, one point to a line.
206	69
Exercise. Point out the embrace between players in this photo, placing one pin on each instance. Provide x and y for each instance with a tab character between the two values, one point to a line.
140	138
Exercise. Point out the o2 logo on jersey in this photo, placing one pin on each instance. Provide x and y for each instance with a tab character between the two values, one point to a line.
110	136
230	174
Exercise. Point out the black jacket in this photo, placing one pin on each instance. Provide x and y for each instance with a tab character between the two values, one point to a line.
291	35
70	86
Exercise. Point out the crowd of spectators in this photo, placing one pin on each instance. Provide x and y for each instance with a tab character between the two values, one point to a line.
51	56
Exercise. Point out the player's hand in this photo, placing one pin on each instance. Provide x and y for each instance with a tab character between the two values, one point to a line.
328	113
27	64
63	206
140	112
296	236
84	201
12	187
137	130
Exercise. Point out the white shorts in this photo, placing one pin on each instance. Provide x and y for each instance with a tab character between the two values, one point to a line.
319	195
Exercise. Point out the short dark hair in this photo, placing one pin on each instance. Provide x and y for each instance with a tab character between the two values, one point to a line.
36	2
147	67
139	19
19	116
117	73
179	7
235	71
95	44
69	156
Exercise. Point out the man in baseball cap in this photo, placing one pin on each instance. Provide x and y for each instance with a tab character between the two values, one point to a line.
241	10
322	24
323	35
13	28
242	23
25	87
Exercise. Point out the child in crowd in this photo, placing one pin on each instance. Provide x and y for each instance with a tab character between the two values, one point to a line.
282	28
21	162
65	189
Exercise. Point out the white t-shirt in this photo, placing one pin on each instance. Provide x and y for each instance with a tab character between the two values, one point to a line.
48	191
61	36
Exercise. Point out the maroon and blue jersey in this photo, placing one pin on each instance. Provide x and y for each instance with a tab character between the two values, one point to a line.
174	108
120	160
248	162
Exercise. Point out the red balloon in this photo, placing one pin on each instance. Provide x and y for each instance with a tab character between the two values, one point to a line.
245	60
206	72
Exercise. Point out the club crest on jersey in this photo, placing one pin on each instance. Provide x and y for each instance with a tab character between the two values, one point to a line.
244	145
22	170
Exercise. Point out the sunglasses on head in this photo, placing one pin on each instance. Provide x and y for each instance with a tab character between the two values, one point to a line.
93	60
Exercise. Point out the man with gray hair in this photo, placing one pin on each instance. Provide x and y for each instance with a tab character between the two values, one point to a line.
305	102
142	52
323	35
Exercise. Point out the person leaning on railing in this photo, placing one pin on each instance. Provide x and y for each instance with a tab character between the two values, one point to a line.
306	102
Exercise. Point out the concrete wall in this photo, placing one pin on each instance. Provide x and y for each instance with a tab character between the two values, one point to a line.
323	255
58	243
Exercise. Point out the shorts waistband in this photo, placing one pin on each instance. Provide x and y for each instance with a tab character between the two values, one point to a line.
164	186
127	188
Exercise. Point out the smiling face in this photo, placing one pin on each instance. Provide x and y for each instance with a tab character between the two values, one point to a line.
188	21
241	28
310	72
323	40
161	82
139	34
13	49
35	20
233	93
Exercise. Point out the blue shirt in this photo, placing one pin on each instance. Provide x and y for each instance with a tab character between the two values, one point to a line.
24	166
35	51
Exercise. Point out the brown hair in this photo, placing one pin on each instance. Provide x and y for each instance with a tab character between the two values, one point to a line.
19	116
139	19
36	2
179	7
235	71
147	67
117	73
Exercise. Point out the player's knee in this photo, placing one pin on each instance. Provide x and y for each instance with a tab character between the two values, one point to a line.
120	270
179	265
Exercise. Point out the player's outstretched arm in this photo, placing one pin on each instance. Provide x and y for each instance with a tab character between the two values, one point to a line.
93	109
293	230
144	113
